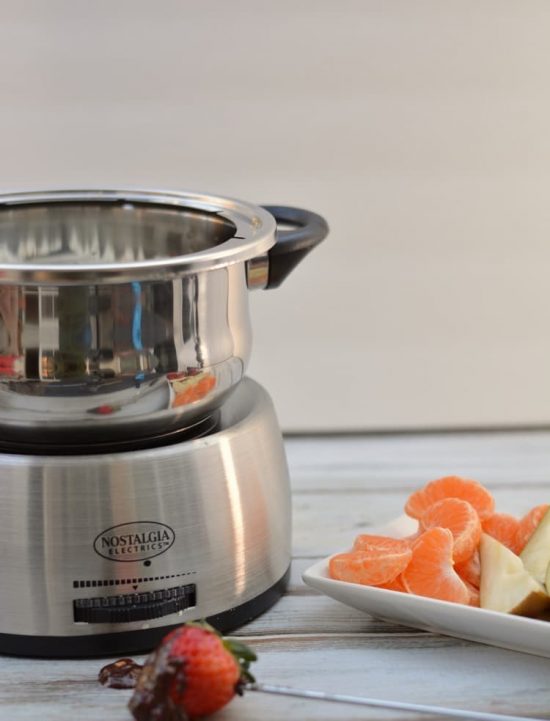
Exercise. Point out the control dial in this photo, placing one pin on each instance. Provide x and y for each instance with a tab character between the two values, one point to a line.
134	606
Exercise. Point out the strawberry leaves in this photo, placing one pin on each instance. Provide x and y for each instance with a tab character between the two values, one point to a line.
244	656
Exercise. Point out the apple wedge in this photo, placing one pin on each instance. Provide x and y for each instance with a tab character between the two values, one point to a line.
536	554
506	585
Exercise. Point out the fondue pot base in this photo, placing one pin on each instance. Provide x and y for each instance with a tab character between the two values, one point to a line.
102	553
131	642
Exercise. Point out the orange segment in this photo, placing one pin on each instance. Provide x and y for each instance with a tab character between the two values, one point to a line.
504	528
528	525
461	519
430	571
470	570
395	585
367	542
369	567
451	487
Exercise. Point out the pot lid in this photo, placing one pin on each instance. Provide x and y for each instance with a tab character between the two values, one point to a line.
64	237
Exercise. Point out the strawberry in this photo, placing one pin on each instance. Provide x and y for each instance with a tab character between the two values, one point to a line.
193	672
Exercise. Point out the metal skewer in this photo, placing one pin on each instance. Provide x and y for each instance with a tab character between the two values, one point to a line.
379	703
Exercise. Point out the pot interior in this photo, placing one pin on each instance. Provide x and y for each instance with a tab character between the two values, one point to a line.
82	232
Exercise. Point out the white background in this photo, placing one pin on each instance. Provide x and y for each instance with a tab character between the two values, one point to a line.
420	129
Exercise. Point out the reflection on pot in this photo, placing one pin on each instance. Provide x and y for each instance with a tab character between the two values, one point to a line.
11	362
190	388
104	410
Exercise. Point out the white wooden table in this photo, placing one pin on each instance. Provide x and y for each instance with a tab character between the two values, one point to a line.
342	486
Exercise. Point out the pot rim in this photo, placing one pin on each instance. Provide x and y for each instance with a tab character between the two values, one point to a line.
254	235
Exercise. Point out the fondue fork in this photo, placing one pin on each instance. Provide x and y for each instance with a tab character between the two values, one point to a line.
380	703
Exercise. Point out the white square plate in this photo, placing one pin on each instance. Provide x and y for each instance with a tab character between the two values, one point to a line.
453	619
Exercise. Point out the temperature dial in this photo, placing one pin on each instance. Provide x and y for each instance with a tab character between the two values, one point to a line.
134	606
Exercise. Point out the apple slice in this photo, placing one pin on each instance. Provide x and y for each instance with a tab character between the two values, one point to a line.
506	585
536	554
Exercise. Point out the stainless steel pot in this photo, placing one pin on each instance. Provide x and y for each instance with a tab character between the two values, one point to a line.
124	314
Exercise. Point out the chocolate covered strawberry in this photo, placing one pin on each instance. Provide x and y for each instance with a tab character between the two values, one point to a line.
193	673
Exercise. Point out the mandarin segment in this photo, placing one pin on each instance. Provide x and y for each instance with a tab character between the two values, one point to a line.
470	570
395	585
367	542
461	519
504	528
369	567
430	571
451	487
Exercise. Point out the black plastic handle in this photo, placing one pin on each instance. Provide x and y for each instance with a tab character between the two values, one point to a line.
308	230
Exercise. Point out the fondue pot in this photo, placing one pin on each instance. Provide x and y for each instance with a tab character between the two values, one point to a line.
143	480
124	314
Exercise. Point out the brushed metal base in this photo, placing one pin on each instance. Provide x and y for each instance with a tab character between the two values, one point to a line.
131	642
134	542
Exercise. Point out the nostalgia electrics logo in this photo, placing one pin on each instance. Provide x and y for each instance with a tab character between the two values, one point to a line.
136	541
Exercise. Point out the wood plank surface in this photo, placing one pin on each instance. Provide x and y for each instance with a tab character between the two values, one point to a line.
342	486
402	461
342	516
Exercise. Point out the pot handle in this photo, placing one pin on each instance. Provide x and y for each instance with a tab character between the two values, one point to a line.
292	245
